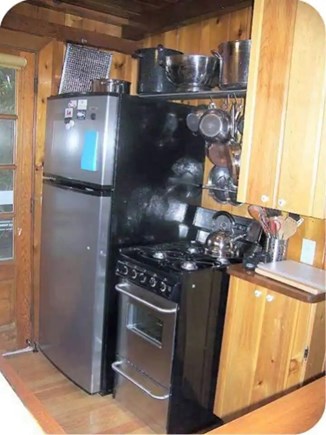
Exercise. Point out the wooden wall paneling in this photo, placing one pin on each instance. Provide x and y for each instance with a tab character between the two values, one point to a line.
305	103
245	313
235	25
24	229
60	17
94	26
21	41
316	356
7	302
311	229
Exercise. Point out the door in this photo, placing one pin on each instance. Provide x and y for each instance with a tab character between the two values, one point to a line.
16	151
263	348
146	331
284	148
73	280
81	147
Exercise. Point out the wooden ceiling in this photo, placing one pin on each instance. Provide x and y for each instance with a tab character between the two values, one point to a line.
139	18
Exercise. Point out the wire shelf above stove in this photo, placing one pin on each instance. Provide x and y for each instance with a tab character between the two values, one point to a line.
197	95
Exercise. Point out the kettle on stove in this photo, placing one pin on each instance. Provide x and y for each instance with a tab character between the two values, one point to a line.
220	244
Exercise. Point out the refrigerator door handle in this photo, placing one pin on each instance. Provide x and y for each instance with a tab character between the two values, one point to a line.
115	367
121	289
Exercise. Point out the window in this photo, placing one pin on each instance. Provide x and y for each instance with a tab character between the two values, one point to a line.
8	121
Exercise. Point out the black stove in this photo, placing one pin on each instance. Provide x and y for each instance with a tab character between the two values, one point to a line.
159	268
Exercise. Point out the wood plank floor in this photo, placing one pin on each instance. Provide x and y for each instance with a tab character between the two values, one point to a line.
75	410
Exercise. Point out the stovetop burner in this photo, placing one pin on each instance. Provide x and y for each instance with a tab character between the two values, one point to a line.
176	257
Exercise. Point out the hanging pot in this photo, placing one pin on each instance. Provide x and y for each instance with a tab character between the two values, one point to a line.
218	154
215	125
152	78
193	118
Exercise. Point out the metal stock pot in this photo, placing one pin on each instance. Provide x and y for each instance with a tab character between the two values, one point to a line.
151	75
234	56
110	85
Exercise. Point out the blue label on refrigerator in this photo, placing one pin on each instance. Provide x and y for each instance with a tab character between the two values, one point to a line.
89	152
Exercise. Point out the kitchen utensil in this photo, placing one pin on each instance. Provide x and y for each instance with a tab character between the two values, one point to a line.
275	248
259	213
193	118
234	57
290	228
215	124
220	186
110	85
220	244
234	153
218	154
151	75
218	180
240	125
192	73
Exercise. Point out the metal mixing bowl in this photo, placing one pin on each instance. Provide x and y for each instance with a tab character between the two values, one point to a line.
192	73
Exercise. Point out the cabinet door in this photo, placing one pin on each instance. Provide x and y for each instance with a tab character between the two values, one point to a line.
265	110
262	350
274	356
240	348
284	147
303	158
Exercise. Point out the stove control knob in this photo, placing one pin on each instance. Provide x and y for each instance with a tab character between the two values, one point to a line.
124	270
134	274
152	281
142	278
163	287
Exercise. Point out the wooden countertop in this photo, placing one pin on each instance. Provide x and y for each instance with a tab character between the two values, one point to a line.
291	414
260	280
31	402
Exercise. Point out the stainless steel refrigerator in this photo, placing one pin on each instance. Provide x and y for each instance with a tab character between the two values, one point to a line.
118	171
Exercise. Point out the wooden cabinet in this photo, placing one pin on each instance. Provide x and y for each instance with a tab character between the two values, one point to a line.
269	345
284	145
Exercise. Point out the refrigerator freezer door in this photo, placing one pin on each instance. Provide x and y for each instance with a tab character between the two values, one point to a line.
81	138
73	264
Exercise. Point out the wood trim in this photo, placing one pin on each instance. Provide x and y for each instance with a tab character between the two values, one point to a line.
21	40
32	403
45	79
23	191
287	290
13	167
294	413
10	117
60	32
4	216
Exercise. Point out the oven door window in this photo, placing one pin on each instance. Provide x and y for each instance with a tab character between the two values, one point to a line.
146	324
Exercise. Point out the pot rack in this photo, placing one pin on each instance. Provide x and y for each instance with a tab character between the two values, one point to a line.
202	95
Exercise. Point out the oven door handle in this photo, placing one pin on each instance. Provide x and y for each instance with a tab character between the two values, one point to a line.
121	289
115	367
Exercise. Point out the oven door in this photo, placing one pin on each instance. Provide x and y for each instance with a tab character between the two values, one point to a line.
146	331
